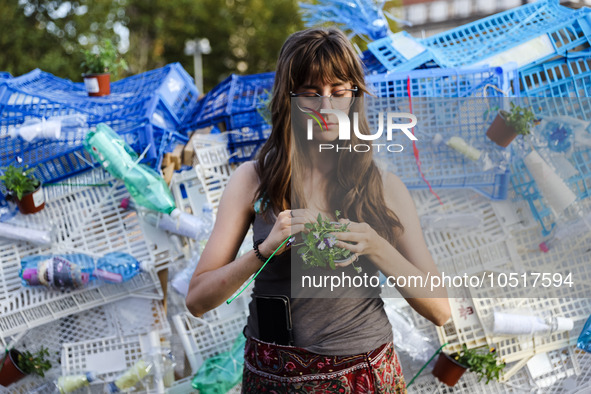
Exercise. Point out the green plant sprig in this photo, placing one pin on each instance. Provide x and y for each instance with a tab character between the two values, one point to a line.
521	119
484	364
319	248
34	363
105	60
19	180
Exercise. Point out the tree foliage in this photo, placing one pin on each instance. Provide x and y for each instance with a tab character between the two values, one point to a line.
245	35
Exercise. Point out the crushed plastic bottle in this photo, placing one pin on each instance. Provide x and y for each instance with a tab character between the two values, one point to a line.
131	377
145	185
177	222
512	324
65	384
180	282
68	127
72	271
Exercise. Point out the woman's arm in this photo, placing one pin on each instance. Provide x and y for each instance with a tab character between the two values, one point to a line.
410	258
412	248
218	275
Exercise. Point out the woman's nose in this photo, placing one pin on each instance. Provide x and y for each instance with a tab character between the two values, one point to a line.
325	102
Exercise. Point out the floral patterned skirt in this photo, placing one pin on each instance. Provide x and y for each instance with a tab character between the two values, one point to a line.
270	368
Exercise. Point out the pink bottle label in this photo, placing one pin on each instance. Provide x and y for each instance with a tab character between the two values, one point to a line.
108	276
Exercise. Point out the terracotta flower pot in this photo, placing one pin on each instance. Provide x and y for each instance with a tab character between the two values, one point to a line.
448	370
10	373
32	202
97	84
500	132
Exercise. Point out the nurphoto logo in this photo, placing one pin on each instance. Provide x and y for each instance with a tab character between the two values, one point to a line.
344	124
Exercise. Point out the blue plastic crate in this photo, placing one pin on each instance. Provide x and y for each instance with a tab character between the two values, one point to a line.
162	96
57	160
235	101
442	166
559	78
525	186
443	82
372	64
400	52
173	85
164	142
559	29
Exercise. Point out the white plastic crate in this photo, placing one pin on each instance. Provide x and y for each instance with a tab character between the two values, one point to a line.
577	383
469	250
108	356
203	339
86	221
96	176
125	317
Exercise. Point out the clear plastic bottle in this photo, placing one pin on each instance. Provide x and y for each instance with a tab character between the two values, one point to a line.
68	127
177	222
131	377
70	271
521	323
180	282
65	384
145	185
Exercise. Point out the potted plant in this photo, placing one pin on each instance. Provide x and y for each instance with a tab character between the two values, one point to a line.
24	188
450	368
508	124
16	365
318	247
98	66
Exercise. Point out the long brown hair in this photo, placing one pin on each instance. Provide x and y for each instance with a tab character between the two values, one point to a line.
355	188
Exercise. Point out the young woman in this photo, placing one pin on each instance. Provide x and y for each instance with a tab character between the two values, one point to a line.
341	344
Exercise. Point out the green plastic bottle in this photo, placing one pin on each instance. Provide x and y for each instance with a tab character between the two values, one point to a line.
145	185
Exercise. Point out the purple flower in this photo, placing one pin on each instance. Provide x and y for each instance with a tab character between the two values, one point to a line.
330	241
321	245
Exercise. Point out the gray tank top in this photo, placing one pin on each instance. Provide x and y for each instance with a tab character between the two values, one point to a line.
331	326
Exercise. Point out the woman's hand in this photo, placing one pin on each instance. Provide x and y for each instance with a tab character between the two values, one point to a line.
361	239
288	223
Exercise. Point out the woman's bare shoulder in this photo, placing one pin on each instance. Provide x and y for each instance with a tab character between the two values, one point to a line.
243	183
395	191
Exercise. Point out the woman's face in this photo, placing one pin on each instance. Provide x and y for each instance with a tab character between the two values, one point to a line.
311	98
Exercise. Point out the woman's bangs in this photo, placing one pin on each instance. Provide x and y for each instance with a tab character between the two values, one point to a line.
322	67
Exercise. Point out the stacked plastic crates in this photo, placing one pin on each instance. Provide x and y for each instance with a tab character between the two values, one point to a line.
527	35
557	88
147	110
236	105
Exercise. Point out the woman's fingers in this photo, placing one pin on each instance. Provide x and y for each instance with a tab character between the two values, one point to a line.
355	248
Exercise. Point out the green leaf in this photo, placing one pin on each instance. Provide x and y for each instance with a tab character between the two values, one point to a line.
331	262
303	250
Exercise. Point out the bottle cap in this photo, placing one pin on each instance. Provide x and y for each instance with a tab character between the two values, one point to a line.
90	376
544	247
30	275
175	213
564	324
437	139
124	203
146	266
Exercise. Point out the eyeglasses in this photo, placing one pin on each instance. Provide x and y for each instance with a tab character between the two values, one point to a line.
314	100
